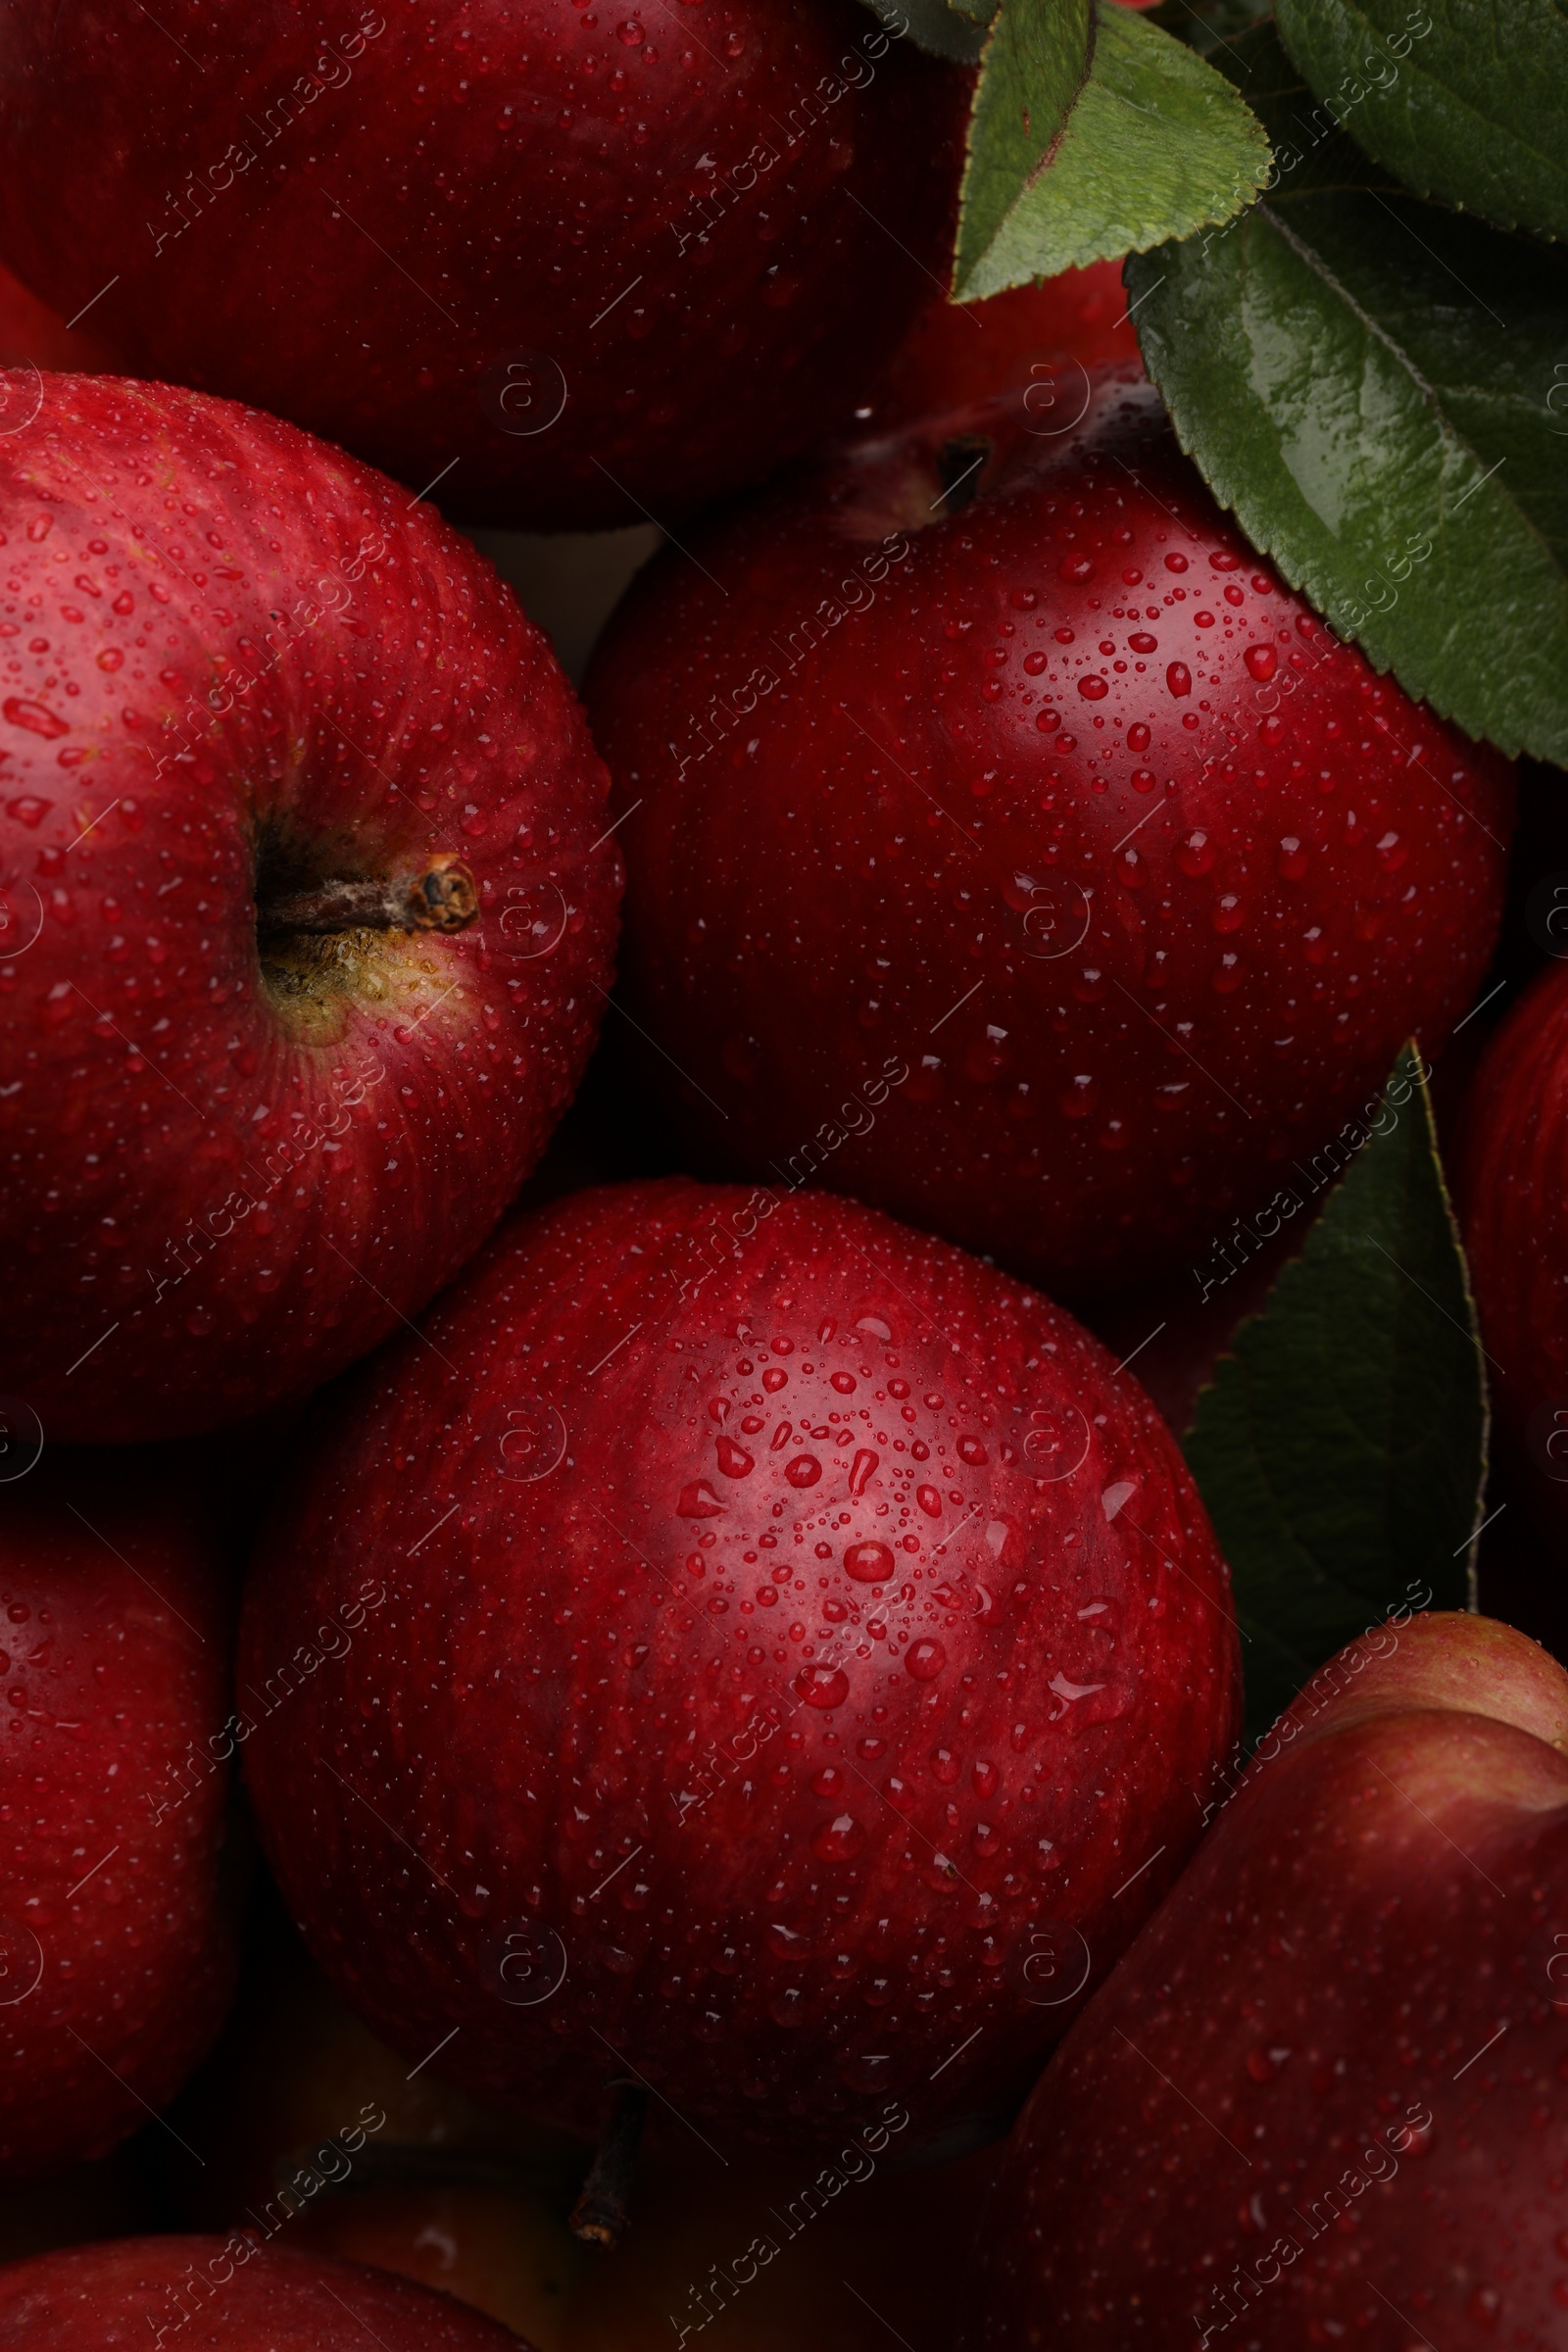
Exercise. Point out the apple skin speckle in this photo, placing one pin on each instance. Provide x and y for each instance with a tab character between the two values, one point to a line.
582	278
118	1905
997	750
782	1789
233	1162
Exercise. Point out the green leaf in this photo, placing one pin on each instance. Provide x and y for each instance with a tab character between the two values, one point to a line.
1094	133
1341	1447
958	33
1209	24
1379	391
1465	100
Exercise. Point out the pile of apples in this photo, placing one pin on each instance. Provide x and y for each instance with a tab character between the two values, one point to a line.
613	1729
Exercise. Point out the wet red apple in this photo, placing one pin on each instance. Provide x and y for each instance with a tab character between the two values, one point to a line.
1321	2099
117	1929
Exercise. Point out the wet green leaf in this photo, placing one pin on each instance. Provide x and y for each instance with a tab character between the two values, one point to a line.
1340	1449
1465	100
1379	388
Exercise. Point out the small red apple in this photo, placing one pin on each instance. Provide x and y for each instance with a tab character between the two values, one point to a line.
307	907
1321	2099
1042	338
1513	1165
576	264
795	1660
117	1944
234	2294
997	755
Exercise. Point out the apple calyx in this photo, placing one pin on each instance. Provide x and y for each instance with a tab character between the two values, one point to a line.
443	898
599	2217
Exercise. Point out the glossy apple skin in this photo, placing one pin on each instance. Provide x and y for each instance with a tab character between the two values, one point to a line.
225	1180
492	186
1513	1174
570	1677
1133	975
116	1927
235	2294
1043	336
1388	1890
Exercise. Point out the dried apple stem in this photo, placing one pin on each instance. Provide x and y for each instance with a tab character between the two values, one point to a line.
443	898
600	2214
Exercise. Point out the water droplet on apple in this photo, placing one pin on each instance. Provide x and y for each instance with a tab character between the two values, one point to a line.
839	1839
866	2070
804	1471
869	1563
733	1459
823	1687
698	1501
861	1471
924	1660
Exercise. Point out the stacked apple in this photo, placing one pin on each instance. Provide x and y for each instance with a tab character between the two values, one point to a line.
624	1642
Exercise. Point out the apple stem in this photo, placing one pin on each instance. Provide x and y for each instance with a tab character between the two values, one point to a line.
443	898
600	2214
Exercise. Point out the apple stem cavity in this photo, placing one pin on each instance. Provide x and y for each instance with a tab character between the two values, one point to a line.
599	2217
443	898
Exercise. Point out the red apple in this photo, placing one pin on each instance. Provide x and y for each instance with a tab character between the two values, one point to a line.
234	2294
1320	2101
998	756
436	2184
575	264
1514	1183
308	906
795	1659
31	335
475	2200
106	2198
117	1947
1042	338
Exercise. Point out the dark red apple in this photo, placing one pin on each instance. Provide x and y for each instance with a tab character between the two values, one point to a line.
117	1944
308	904
1042	338
234	2294
998	753
475	2200
1513	1165
576	263
1321	2099
799	1658
31	335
